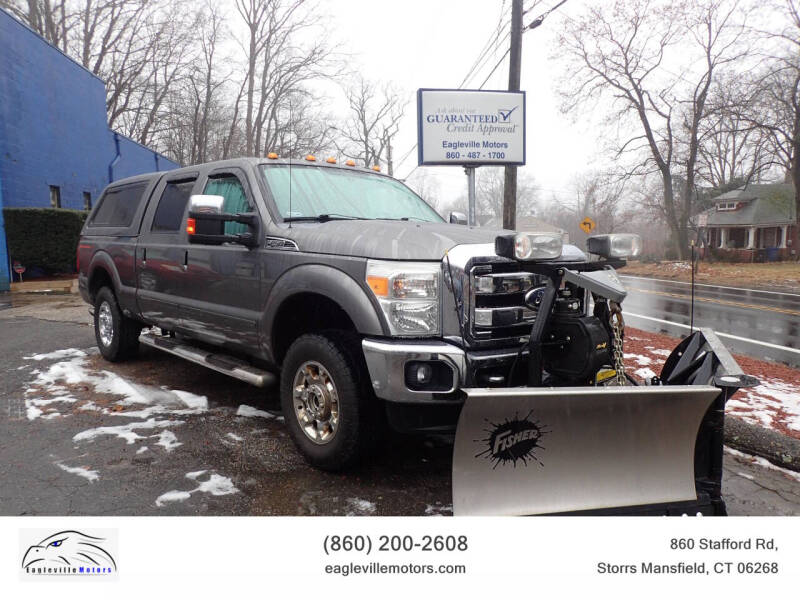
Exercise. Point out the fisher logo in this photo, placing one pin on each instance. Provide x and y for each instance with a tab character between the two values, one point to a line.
515	440
67	553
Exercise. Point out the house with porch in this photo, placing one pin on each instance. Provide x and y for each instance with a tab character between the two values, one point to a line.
754	223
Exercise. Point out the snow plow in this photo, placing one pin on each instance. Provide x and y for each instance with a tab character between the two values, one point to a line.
578	435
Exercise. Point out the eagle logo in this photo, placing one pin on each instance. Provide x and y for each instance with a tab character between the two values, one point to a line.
70	549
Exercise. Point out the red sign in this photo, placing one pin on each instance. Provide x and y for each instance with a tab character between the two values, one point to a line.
18	268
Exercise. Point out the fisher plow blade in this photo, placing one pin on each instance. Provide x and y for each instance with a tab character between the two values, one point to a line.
531	451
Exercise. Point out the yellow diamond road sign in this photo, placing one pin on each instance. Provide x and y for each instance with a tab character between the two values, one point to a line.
587	225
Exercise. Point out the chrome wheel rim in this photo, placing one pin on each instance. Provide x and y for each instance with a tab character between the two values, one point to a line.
105	324
316	402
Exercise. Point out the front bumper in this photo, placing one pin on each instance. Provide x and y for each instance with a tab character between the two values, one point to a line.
386	362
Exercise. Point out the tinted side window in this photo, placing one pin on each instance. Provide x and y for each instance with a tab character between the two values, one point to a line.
118	205
172	205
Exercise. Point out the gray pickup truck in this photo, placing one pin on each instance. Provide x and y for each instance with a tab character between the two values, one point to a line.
345	288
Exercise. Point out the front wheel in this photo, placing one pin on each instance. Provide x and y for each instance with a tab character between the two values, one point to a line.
117	336
325	402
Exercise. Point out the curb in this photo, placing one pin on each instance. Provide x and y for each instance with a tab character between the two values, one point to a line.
779	449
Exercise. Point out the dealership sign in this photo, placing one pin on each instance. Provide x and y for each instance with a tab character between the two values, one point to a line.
470	127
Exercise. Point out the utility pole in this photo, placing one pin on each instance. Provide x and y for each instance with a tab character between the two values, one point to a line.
510	185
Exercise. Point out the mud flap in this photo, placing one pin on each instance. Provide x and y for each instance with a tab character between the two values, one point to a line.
528	451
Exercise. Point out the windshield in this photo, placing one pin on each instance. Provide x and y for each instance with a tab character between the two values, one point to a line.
338	192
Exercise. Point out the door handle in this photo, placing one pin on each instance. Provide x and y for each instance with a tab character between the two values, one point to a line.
185	260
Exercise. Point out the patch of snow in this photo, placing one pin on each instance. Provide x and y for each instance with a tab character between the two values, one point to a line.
168	440
763	462
642	361
772	402
644	373
142	450
438	509
360	507
92	476
249	411
126	432
745	475
66	353
216	485
658	351
234	437
173	496
156	401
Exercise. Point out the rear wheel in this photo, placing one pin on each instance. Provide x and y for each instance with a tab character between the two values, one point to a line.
325	402
117	336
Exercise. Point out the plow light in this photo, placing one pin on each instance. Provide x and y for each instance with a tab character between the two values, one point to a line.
615	245
529	246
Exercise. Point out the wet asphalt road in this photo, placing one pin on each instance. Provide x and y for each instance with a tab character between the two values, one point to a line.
407	476
758	323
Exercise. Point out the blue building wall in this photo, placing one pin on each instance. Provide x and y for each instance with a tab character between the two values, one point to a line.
53	128
5	267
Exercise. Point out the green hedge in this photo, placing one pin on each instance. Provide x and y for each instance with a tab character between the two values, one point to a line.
44	237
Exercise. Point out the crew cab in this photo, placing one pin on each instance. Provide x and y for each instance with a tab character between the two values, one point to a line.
343	287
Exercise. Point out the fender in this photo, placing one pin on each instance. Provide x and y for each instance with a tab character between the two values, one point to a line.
126	295
327	281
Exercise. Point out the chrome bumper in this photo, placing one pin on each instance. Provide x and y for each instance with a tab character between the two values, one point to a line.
386	363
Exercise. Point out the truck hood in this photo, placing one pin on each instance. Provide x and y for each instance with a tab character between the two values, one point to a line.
390	240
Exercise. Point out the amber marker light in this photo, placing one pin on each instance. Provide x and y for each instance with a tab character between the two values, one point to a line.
351	163
311	157
376	168
190	226
379	285
331	160
272	155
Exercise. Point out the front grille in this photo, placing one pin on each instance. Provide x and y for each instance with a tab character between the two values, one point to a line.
497	301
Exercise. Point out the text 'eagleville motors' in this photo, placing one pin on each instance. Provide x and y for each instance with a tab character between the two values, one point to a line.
345	288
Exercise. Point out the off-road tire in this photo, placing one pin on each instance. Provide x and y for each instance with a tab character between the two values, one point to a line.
123	342
340	354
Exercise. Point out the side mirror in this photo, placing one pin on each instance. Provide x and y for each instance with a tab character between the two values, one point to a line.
206	223
458	218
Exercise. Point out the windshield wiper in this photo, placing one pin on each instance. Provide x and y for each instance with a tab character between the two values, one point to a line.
324	218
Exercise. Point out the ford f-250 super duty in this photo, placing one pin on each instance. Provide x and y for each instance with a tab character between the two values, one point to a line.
345	288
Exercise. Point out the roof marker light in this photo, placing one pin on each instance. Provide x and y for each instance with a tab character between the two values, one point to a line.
330	160
351	163
311	157
376	168
272	155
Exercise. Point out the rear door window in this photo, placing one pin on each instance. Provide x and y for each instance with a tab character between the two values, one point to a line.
172	205
118	205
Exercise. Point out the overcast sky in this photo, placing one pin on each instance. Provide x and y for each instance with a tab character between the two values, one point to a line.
433	43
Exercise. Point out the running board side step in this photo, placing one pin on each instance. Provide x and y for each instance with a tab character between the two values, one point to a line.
222	363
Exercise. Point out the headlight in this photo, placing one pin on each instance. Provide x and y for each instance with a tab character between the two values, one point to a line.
615	245
408	293
529	246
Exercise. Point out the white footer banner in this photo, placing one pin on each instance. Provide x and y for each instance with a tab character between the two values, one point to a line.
140	557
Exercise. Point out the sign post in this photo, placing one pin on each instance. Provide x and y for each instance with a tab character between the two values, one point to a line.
470	128
19	269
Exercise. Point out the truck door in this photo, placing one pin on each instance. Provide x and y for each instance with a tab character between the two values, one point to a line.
221	291
161	252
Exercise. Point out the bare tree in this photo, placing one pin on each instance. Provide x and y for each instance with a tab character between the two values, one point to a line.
426	186
620	50
731	151
50	19
375	113
778	109
489	185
